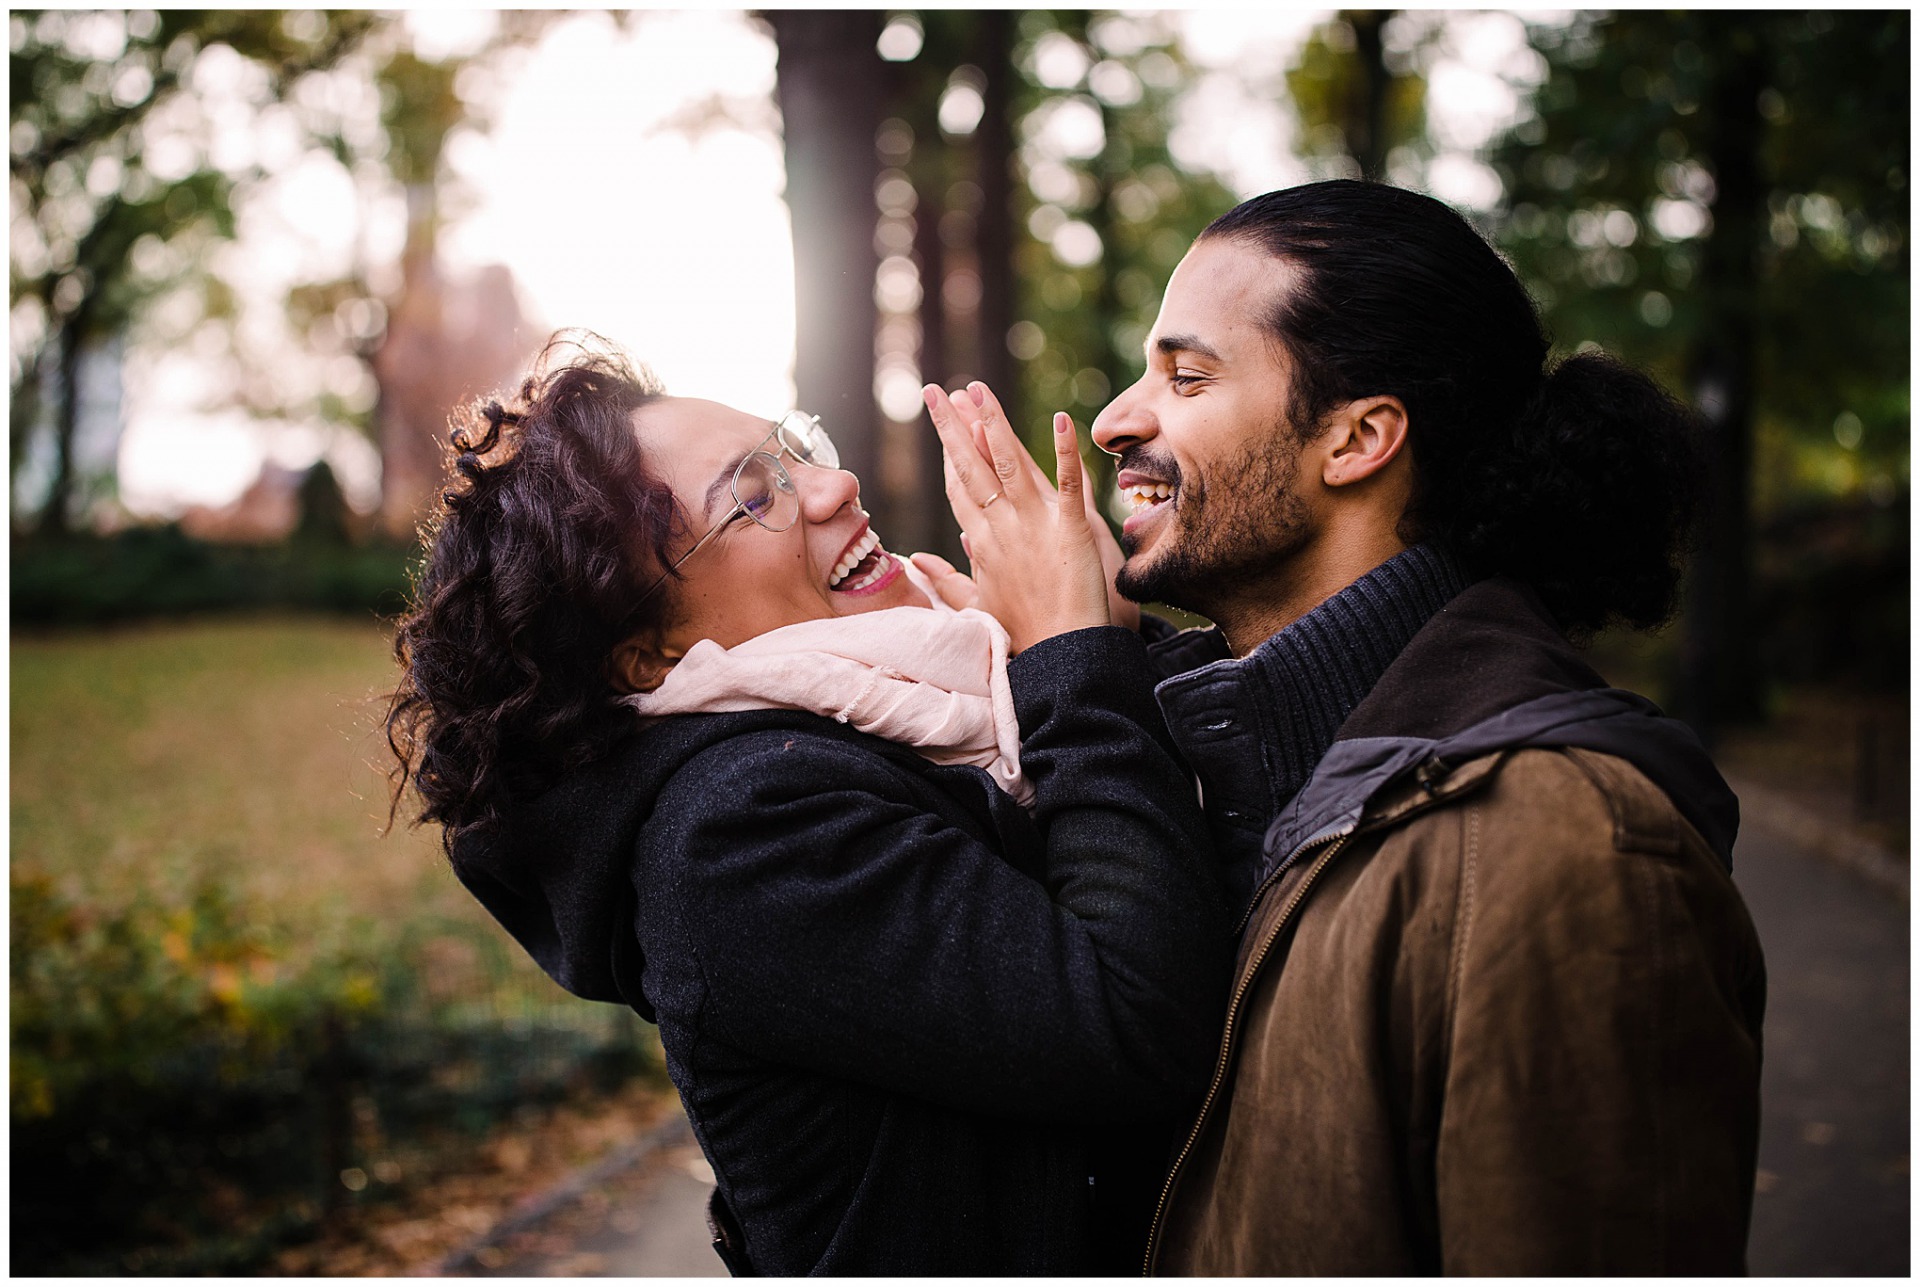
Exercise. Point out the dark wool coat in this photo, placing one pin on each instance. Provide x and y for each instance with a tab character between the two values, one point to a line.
917	1030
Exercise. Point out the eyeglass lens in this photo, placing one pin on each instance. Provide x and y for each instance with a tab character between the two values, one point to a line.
765	490
802	435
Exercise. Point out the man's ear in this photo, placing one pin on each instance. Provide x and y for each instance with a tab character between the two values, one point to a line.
1367	435
640	664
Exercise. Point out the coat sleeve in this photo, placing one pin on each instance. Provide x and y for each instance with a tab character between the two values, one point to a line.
1600	1111
843	928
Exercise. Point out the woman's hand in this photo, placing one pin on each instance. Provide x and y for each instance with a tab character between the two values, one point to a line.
955	588
1123	611
1036	563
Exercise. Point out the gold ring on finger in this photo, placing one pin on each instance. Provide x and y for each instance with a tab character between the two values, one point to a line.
990	500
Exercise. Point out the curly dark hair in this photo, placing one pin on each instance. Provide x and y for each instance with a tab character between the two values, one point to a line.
1579	477
535	558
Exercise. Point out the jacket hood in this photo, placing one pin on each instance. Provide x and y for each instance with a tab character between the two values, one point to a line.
557	871
1489	673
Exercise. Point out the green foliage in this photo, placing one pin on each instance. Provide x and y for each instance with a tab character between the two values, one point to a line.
228	995
114	205
1343	96
1832	591
129	159
162	1050
418	107
1612	197
147	572
1084	326
115	996
324	516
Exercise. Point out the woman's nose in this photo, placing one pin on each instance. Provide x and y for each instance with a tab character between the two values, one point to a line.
1123	422
823	492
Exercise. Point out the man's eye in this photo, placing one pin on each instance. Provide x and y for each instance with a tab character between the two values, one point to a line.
1186	380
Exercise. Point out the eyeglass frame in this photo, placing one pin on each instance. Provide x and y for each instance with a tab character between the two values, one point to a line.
829	459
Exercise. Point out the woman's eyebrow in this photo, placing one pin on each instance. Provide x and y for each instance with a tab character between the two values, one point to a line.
721	481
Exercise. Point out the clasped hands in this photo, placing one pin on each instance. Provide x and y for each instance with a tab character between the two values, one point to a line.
1043	558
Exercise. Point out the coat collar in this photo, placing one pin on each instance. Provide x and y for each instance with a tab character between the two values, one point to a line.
1254	728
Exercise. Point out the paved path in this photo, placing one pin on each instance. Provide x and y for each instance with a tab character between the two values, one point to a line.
648	1222
1834	1196
1835	1107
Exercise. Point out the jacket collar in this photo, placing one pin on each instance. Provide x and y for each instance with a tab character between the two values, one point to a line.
1489	673
1254	728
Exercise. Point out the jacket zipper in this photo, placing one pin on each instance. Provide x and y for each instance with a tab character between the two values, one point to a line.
1281	870
1226	1037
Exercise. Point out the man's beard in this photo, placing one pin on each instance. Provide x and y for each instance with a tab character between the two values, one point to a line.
1218	542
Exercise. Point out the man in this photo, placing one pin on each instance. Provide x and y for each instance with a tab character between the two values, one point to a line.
1497	1007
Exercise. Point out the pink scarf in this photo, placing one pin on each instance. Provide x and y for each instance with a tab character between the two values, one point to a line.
931	679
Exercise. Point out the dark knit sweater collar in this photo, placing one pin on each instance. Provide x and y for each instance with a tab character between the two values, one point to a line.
1323	665
1253	728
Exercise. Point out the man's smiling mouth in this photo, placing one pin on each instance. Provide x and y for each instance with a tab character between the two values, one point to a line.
1144	495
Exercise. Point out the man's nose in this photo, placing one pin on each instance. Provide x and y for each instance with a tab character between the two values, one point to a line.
1123	422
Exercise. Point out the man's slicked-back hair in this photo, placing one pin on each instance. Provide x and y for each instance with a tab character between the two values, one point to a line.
1578	478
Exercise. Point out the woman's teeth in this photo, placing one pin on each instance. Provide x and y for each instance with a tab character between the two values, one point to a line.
851	559
1145	494
881	567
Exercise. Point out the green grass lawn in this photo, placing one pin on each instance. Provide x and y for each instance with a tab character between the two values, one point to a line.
246	750
206	916
245	755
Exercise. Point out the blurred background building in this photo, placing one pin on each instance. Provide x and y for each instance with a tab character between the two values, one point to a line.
257	256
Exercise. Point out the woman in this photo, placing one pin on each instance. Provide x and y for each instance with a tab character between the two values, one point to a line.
900	1006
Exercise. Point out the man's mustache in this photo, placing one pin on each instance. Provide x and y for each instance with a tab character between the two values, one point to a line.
1141	460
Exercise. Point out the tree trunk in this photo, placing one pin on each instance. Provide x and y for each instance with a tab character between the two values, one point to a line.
57	518
1115	162
1720	679
994	238
831	92
1366	123
23	412
931	527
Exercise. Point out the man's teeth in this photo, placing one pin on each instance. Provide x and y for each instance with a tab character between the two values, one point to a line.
1145	494
861	548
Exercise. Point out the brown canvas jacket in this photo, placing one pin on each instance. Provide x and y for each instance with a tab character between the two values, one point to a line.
1507	1023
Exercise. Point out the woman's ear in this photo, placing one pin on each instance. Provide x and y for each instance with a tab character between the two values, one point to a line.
640	664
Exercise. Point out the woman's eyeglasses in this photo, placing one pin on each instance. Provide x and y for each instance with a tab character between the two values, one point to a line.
762	488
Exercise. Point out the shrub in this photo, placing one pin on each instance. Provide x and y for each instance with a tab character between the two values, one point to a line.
192	1085
147	572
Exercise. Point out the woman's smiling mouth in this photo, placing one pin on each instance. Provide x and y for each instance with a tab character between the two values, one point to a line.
864	567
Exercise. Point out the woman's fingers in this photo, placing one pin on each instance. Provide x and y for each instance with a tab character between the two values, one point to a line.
970	479
1067	471
1076	519
974	418
1124	611
955	588
984	397
1008	453
966	510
